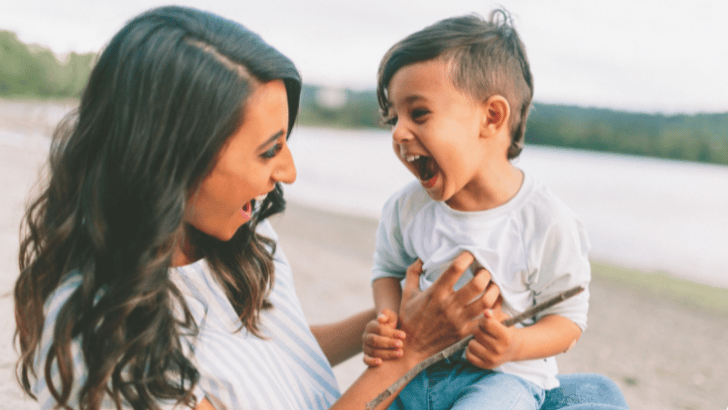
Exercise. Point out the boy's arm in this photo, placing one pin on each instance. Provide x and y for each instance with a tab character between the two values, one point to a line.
494	344
387	294
382	340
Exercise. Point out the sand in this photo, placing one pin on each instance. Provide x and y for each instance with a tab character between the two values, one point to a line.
663	354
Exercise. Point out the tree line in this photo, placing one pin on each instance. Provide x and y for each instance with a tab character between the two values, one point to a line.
29	71
699	137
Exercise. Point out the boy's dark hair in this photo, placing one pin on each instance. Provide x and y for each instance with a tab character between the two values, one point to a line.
486	58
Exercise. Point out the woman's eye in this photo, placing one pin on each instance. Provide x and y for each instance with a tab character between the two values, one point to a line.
272	152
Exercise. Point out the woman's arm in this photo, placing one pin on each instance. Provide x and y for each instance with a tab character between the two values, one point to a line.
342	340
204	405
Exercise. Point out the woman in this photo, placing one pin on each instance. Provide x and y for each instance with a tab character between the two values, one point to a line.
149	275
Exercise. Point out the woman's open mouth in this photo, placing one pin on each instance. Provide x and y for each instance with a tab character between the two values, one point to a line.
425	167
247	211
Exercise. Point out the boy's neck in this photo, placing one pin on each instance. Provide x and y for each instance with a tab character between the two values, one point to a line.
492	188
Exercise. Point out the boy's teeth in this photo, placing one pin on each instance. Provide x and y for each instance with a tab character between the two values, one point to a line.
411	158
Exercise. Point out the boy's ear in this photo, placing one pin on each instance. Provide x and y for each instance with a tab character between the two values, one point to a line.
497	113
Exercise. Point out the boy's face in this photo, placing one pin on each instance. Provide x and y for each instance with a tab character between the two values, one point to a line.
437	130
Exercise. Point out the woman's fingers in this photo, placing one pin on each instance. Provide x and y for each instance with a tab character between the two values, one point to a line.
412	281
478	294
459	265
476	286
492	297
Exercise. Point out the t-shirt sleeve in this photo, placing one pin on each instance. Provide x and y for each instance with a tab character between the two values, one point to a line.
390	257
563	263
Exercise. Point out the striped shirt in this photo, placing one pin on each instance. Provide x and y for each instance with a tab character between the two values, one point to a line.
284	370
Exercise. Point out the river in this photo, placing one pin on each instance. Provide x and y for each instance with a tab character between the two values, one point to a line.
644	213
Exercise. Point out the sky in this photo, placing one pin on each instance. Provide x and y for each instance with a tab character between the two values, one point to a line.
657	56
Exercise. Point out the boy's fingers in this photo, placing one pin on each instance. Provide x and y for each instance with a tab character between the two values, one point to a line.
372	361
381	342
478	356
491	325
387	317
384	354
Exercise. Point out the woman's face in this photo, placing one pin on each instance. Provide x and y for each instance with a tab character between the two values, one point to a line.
254	158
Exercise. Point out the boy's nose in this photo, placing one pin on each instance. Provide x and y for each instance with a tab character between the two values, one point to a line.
400	133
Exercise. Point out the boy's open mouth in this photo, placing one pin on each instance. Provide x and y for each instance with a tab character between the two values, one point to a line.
425	167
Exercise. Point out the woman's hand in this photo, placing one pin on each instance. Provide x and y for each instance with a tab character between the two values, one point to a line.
439	316
432	320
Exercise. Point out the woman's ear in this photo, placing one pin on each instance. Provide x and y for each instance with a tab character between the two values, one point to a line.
497	114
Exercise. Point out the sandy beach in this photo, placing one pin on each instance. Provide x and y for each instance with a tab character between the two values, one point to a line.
662	350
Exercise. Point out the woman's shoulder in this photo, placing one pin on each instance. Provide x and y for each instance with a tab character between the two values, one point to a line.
266	229
69	283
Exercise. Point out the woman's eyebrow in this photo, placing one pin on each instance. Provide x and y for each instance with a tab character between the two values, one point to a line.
271	139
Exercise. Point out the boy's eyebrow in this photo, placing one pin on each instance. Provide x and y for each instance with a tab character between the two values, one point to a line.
271	139
410	99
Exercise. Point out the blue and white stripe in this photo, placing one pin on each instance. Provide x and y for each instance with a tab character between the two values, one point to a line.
284	370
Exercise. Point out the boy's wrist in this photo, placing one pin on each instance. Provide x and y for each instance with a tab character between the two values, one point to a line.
519	347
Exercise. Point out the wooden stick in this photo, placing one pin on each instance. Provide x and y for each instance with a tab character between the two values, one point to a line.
462	344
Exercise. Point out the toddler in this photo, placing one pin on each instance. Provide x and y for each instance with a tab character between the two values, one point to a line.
457	95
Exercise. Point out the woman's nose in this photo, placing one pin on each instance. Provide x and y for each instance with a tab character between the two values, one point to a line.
286	171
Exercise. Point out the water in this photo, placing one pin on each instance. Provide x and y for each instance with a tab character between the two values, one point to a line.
649	214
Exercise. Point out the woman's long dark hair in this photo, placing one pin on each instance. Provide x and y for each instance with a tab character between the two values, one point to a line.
160	104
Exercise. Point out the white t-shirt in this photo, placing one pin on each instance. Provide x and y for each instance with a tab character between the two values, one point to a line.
533	246
285	370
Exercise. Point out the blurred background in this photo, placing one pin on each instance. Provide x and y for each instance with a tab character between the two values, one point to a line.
629	128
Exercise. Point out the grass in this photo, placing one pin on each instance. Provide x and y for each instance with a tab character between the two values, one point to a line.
663	285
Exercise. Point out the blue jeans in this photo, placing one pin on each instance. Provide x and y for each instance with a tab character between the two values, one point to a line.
457	384
583	391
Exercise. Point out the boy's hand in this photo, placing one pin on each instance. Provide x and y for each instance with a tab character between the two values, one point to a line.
382	340
493	344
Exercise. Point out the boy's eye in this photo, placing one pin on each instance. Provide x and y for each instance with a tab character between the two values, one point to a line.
419	113
272	151
391	121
